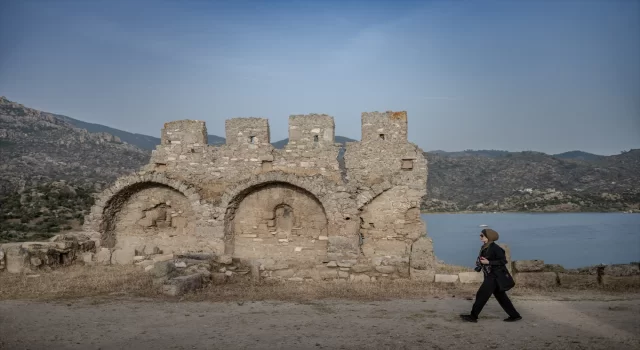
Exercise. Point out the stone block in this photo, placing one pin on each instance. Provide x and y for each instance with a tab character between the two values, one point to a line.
528	265
123	256
183	284
346	263
446	278
151	250
391	247
578	281
16	260
275	266
163	269
286	273
471	277
422	257
361	268
311	273
224	259
386	269
537	279
218	278
35	261
2	264
103	256
621	282
165	257
339	244
327	273
360	278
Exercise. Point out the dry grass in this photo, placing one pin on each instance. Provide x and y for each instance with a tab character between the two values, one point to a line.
309	291
96	281
452	269
77	281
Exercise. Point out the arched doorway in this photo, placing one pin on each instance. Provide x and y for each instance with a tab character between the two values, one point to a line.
148	210
277	220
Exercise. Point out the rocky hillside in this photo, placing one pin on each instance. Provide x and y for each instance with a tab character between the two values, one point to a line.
532	181
49	168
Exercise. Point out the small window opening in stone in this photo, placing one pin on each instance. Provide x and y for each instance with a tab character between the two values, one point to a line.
192	150
161	166
267	165
315	138
407	164
381	136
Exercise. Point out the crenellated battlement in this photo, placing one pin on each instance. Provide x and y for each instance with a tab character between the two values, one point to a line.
308	131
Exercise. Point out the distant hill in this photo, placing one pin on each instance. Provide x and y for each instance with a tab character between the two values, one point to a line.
532	181
482	153
139	140
579	155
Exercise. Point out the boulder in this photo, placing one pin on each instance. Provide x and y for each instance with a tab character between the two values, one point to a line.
183	284
162	269
528	265
471	277
537	279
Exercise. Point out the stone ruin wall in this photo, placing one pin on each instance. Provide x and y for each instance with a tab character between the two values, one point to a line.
292	211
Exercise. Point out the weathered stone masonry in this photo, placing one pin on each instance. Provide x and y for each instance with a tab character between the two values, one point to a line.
291	212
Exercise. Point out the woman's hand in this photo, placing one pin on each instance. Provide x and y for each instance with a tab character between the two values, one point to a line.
484	261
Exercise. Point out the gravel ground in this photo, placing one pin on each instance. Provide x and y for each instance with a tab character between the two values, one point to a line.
432	323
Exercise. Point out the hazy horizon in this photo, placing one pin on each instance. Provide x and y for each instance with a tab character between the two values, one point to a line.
543	76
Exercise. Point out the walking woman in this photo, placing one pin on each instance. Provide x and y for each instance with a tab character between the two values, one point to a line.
491	260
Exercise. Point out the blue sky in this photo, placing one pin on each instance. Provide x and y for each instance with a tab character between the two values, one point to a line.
549	76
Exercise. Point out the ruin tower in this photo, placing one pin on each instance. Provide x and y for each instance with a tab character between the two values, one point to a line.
247	131
385	126
311	131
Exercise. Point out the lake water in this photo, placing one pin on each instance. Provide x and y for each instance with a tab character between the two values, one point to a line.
572	240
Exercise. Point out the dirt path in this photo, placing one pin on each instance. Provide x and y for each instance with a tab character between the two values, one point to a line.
398	324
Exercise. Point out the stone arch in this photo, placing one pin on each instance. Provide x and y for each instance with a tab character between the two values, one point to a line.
111	201
317	187
391	212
